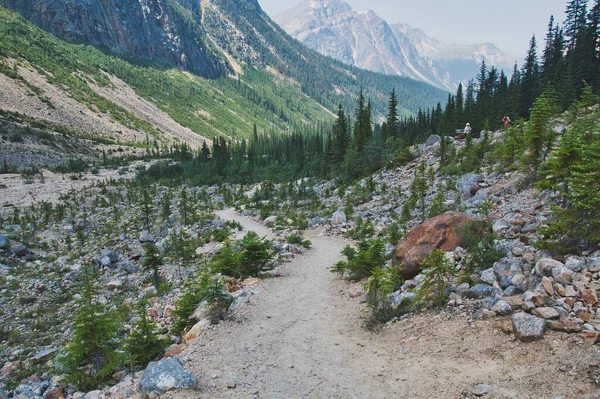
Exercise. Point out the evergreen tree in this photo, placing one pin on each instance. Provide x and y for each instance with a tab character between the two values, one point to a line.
143	344
341	139
146	208
91	357
529	79
392	116
539	133
152	262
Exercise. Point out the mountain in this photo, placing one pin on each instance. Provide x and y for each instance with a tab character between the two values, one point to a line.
461	61
365	40
174	71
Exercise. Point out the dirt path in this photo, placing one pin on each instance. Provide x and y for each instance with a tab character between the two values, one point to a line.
301	336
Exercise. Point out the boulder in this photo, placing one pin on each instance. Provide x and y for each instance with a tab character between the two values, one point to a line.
465	183
111	255
480	291
436	233
4	242
544	267
146	237
339	218
528	328
19	250
165	375
502	308
270	221
546	313
433	139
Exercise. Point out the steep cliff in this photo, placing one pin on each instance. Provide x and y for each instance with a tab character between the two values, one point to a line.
160	30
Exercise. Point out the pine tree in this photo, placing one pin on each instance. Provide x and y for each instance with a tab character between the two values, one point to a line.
539	133
529	79
143	344
437	269
91	357
341	140
392	115
152	262
146	208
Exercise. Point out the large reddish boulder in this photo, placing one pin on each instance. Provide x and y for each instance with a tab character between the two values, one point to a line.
436	233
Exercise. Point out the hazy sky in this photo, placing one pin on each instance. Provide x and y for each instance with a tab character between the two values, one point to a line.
507	23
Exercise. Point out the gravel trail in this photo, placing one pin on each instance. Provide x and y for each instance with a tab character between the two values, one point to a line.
301	336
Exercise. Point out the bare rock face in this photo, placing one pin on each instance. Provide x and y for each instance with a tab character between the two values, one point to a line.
152	30
436	233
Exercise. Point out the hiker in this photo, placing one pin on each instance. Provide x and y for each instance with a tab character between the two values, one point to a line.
506	122
467	129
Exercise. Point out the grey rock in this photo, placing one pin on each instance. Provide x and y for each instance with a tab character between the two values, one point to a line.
165	375
544	267
389	250
270	221
4	242
528	328
19	250
43	355
146	237
105	261
575	263
546	313
478	199
339	218
479	291
465	183
530	226
111	255
502	308
433	139
482	389
128	267
396	299
488	276
500	226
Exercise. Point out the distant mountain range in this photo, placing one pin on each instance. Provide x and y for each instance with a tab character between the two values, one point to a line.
363	39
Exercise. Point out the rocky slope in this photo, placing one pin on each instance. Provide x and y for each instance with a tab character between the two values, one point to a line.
364	39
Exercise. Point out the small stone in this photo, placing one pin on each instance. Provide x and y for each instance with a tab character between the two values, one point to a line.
544	267
548	285
584	315
482	389
546	313
506	327
488	276
528	328
518	252
165	375
479	291
515	302
568	325
590	296
270	221
528	306
559	289
195	331
591	338
250	281
570	291
502	308
231	383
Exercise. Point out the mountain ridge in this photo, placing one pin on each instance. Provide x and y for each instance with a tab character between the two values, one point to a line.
363	39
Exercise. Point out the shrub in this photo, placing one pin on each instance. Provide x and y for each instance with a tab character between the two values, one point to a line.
91	357
143	344
298	239
361	263
437	270
253	257
381	284
478	240
205	287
